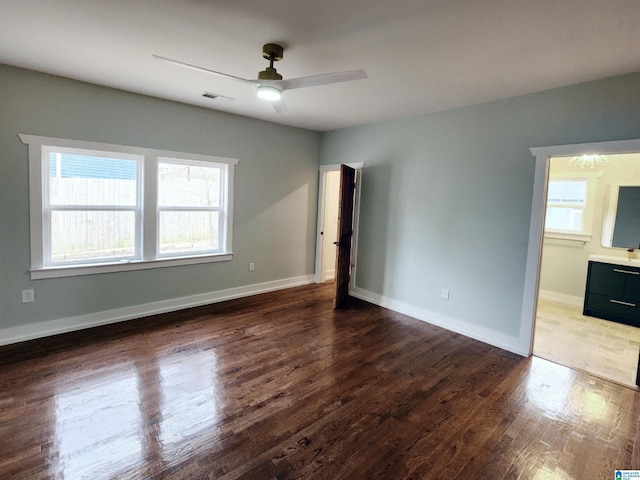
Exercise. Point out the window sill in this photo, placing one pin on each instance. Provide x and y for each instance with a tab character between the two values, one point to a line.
576	237
94	269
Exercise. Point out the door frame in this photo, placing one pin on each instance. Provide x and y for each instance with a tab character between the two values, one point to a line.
536	223
322	190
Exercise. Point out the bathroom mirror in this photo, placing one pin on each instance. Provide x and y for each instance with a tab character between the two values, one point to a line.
621	225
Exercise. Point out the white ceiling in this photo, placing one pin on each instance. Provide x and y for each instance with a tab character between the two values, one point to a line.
421	55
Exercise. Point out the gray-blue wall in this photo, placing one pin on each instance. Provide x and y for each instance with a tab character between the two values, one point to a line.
446	198
275	193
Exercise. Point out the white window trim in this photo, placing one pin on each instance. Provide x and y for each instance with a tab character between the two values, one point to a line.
39	271
561	235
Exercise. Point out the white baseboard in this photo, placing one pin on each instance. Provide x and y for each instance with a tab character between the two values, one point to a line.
561	297
491	337
70	324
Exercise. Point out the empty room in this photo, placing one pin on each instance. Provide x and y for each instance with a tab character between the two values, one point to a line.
304	239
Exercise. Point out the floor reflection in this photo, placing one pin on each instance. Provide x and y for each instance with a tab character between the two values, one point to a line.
190	398
554	389
110	424
549	387
596	406
98	426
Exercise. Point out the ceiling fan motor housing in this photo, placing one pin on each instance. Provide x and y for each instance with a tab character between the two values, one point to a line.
273	52
269	74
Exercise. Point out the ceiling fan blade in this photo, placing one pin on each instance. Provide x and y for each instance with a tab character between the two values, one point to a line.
202	69
323	79
280	107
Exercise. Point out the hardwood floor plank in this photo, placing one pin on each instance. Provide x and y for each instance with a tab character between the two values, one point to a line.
281	386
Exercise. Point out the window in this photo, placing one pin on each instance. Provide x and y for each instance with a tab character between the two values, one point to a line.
101	208
566	202
190	217
571	197
91	206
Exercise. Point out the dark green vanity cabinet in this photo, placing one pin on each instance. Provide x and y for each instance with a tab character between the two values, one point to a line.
613	293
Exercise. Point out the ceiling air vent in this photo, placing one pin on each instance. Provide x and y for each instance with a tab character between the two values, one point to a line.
216	97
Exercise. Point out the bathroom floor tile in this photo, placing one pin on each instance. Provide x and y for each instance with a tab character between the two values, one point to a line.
603	348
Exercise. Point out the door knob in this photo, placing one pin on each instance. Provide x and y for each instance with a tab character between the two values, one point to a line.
337	244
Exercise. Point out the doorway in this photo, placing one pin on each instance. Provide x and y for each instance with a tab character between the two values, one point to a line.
329	227
328	216
559	330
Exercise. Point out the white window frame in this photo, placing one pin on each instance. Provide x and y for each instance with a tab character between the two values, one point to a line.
221	208
572	206
585	235
48	208
148	256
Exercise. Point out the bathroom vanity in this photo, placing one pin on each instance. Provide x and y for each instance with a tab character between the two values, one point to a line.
613	289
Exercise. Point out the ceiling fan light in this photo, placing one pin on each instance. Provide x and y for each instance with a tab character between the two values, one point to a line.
267	92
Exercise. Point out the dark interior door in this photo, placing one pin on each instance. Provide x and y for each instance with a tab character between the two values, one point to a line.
345	235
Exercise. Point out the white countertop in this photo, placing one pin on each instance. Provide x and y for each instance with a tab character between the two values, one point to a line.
616	260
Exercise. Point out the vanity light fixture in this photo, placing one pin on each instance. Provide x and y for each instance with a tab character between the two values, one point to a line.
589	160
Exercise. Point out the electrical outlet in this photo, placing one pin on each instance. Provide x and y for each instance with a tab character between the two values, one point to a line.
445	293
252	267
28	296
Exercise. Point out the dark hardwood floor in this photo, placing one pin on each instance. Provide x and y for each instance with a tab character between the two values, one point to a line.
281	386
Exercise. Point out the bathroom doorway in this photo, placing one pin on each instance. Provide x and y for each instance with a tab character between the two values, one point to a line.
578	200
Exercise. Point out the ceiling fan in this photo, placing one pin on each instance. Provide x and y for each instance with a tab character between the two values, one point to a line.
270	84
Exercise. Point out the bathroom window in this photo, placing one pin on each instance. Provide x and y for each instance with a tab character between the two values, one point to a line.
570	203
566	203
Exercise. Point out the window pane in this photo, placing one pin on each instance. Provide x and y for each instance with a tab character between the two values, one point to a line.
76	179
188	185
78	235
560	218
188	231
567	192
